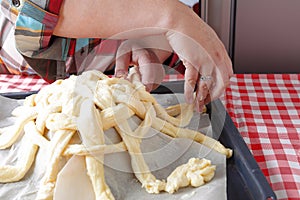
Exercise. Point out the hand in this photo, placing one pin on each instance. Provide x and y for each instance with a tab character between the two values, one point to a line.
208	67
148	64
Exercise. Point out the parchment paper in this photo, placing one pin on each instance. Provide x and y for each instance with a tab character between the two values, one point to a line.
162	153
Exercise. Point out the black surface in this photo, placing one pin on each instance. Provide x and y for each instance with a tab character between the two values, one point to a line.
18	95
169	87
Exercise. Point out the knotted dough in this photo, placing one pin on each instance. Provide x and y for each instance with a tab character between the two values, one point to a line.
69	117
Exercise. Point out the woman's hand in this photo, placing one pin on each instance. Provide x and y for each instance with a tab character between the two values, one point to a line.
208	67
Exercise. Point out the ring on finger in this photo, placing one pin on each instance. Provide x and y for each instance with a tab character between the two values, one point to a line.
205	78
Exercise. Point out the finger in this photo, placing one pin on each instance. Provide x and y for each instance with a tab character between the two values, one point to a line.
218	59
207	100
224	69
213	87
152	72
202	82
151	75
219	85
191	77
202	92
123	60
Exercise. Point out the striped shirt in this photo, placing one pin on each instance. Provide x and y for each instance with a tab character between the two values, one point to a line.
27	45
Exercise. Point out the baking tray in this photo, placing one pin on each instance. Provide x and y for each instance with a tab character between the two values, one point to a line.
18	95
245	179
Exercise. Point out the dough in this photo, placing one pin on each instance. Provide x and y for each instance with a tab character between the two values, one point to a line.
53	117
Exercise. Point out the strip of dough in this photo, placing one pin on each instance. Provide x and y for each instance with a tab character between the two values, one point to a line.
134	104
175	110
60	121
9	135
183	119
81	150
139	166
43	115
177	132
57	145
112	115
102	96
27	152
91	132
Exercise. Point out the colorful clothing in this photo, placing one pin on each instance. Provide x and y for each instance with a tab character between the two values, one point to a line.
31	24
28	46
11	61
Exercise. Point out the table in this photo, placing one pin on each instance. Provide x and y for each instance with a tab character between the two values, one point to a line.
264	107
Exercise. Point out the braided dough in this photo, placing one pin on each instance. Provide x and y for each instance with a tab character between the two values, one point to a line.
69	117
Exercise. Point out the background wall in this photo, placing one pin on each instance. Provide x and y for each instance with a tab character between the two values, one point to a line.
266	33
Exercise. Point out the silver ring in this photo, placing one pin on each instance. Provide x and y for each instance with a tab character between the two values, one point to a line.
205	78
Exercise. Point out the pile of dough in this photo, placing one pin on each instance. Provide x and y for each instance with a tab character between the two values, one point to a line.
195	173
69	117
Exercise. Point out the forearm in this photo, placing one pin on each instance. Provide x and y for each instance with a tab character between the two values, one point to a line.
106	18
125	19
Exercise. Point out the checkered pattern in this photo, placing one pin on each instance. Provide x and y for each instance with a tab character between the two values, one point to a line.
266	111
264	108
16	83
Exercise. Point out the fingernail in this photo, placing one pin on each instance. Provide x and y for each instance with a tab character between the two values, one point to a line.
201	98
148	88
121	74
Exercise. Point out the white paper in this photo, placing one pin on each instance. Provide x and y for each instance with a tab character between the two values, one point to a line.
162	153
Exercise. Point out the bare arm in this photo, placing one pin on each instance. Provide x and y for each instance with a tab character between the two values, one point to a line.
106	18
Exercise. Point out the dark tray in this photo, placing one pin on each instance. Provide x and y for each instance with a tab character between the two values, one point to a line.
245	180
18	95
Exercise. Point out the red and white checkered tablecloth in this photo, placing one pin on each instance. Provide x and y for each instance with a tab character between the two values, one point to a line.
264	108
266	111
15	83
